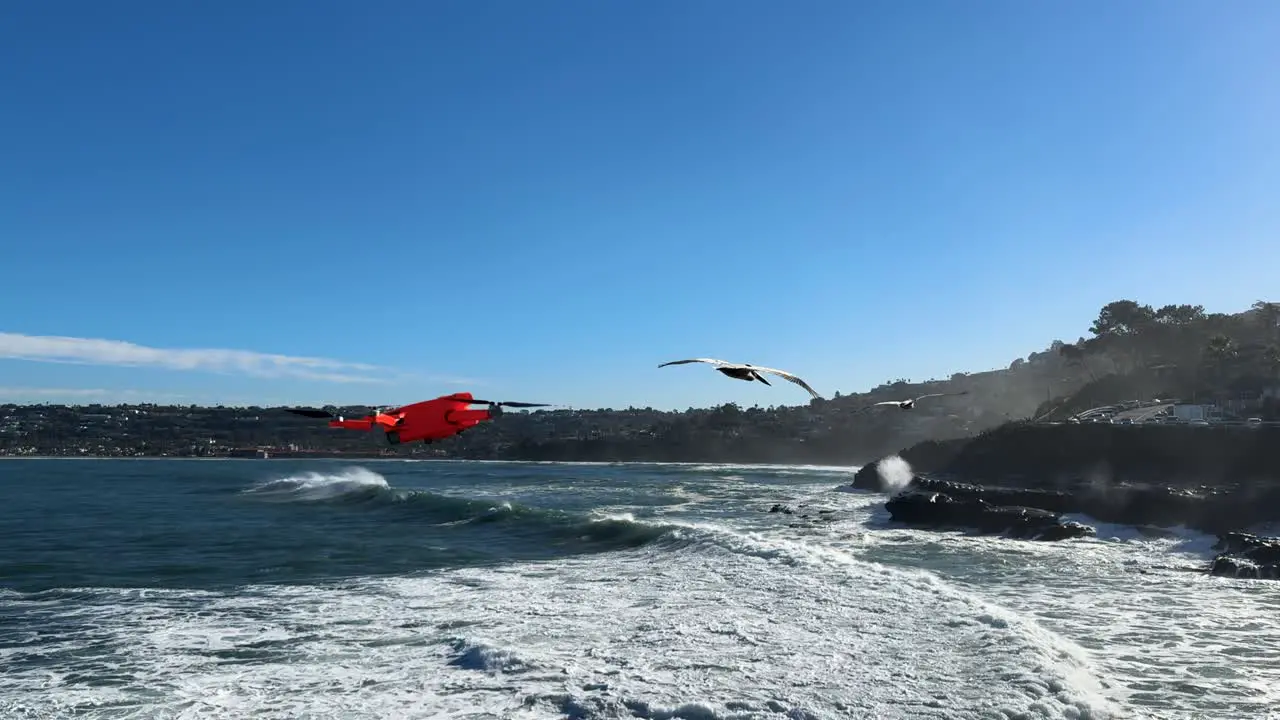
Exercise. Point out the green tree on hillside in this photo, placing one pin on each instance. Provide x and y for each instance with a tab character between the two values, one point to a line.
1177	349
1074	355
1122	318
1220	350
1179	314
1219	323
1174	328
1271	357
1118	332
1269	318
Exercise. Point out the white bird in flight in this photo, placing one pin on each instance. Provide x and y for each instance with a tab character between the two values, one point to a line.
745	371
910	404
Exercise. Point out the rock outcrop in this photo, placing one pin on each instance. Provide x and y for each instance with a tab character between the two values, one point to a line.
932	509
1169	455
810	516
1214	510
1030	504
1244	555
1213	479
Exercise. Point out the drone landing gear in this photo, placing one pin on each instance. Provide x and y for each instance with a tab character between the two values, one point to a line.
393	437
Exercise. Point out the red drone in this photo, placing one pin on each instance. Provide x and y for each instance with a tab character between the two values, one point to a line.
425	421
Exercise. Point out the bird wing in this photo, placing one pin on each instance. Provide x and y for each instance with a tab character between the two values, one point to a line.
709	361
865	408
787	376
962	392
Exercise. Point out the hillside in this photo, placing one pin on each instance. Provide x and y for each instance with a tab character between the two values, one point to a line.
829	431
1049	456
1178	352
1135	353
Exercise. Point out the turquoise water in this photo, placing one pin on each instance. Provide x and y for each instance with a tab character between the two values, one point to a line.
209	524
155	589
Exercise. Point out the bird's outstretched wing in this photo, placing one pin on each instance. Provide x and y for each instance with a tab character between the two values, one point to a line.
787	376
865	408
962	392
709	361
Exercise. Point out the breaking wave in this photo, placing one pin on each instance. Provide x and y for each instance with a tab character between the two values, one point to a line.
362	489
546	591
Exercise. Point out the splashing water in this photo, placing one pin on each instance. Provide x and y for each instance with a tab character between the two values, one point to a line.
280	589
314	486
894	474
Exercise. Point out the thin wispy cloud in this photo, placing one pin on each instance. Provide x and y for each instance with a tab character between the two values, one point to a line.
131	396
6	392
95	351
92	395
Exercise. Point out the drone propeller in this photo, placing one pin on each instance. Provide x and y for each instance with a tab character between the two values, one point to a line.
310	412
316	413
508	403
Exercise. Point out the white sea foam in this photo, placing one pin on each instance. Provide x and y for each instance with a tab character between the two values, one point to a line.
725	616
315	486
720	623
1168	639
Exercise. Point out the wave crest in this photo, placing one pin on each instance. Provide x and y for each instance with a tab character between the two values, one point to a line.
361	489
319	487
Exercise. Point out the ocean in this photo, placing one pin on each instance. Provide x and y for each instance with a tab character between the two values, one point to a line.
440	589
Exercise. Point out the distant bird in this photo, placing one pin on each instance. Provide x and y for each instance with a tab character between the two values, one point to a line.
911	403
746	371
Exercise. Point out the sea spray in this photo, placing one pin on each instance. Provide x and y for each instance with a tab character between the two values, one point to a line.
317	487
894	473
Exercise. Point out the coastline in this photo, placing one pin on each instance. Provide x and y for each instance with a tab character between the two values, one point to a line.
1038	455
1028	482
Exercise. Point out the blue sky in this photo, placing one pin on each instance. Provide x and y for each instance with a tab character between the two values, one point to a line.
543	201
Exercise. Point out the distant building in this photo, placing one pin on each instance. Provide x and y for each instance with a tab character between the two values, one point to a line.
1188	412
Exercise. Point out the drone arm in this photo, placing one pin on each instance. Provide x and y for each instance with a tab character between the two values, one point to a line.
363	424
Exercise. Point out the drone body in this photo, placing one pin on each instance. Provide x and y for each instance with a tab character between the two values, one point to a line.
425	421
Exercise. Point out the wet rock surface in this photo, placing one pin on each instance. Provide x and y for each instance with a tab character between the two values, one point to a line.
809	515
1031	508
928	508
1245	555
1213	509
1173	456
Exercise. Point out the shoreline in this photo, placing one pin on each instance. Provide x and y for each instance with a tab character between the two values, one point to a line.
1025	482
823	466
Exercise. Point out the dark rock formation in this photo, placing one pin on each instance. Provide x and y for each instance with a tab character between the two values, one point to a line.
1171	455
868	477
926	508
810	516
1213	510
1214	479
1036	515
1243	555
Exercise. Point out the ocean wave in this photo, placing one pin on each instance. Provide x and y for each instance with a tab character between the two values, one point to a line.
348	484
362	489
716	625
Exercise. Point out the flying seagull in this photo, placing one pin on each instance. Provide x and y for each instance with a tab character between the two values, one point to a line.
745	371
910	404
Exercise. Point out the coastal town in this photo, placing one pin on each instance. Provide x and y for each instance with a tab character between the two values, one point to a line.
1175	365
